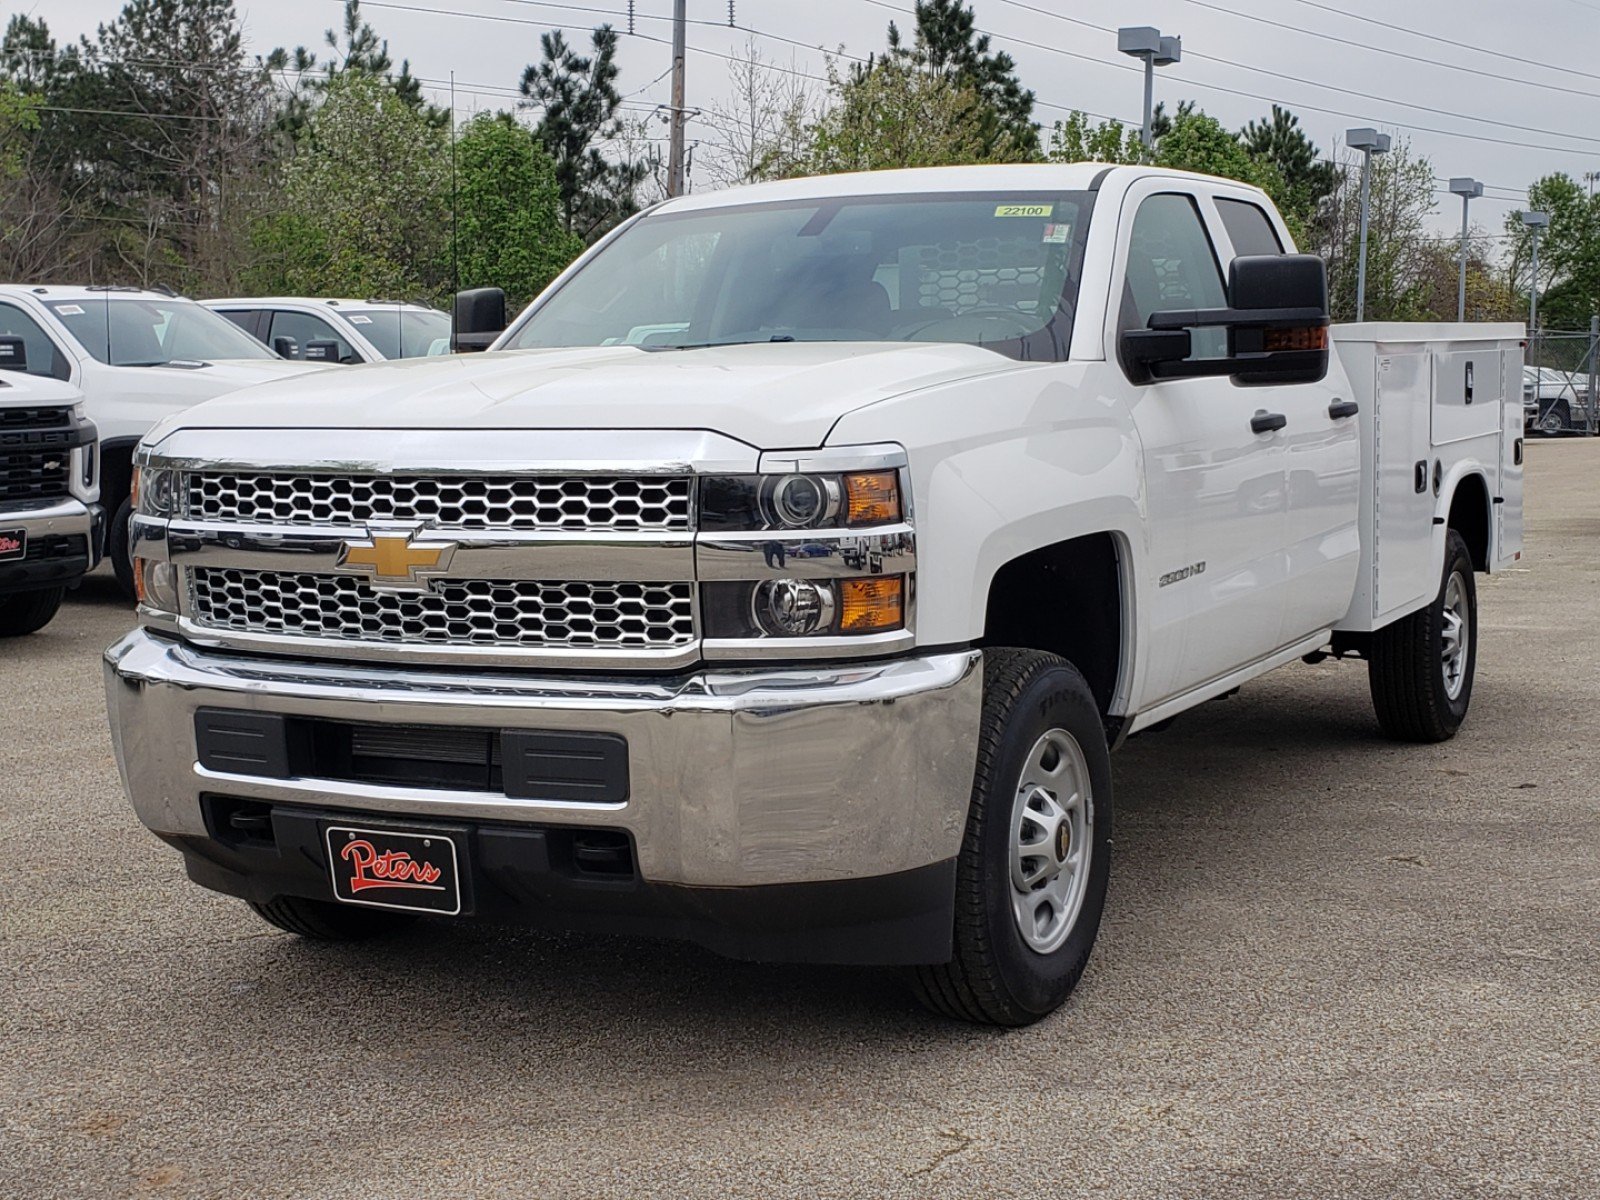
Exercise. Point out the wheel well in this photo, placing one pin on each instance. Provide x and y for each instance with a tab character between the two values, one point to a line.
116	471
1064	599
1469	516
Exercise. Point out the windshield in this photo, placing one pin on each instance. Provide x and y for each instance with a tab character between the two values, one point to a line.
143	332
994	270
403	332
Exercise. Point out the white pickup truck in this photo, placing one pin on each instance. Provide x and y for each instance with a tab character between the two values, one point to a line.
787	579
311	329
136	356
51	524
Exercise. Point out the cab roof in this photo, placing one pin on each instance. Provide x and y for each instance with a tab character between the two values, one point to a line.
326	301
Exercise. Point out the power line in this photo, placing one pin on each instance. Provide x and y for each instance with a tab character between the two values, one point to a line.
1331	87
1417	58
1433	37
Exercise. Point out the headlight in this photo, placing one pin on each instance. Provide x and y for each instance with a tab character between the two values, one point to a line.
152	491
797	608
155	583
800	501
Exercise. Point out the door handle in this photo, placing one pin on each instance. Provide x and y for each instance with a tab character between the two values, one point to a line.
1265	422
1343	408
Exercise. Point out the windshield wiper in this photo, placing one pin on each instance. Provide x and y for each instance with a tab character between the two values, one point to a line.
182	364
777	337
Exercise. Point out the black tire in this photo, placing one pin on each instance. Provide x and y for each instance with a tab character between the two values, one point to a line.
1406	669
994	976
28	612
117	547
327	921
1556	419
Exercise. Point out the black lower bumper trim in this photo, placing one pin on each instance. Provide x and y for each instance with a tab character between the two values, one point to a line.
558	877
55	561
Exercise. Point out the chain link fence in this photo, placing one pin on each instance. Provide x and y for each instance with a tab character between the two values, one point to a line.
1559	384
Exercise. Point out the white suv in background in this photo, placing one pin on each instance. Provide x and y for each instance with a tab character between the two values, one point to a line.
137	356
344	331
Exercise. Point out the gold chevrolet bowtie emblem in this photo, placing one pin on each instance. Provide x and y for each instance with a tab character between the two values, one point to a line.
396	560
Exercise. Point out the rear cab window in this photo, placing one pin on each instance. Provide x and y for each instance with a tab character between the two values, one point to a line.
1249	228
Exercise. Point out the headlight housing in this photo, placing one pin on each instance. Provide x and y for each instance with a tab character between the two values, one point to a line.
800	500
153	491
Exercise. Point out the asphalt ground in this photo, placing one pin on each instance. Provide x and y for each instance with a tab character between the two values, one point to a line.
1331	967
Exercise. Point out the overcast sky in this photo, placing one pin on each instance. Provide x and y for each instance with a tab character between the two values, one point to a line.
1506	131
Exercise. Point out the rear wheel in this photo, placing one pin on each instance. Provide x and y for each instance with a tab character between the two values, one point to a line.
28	612
1556	419
326	921
1034	867
1421	666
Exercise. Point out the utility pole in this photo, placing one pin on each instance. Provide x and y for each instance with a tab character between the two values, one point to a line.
1369	142
1535	221
675	179
1145	42
1468	190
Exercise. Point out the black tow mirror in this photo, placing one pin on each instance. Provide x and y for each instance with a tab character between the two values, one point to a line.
1277	323
480	317
321	350
13	354
285	347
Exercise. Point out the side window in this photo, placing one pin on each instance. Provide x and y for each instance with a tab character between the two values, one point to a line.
1249	228
1171	264
301	328
247	319
43	357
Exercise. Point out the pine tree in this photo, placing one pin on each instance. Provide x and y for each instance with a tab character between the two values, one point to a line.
577	99
1308	180
946	43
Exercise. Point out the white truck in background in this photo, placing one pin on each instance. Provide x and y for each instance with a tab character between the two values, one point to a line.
311	329
51	522
137	356
788	577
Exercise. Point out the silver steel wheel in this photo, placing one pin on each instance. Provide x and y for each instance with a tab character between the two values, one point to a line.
1455	635
1052	840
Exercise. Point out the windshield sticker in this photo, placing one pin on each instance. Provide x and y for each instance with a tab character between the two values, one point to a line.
1024	210
69	310
358	319
1056	233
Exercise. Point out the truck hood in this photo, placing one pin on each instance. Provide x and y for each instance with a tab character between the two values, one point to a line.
769	395
220	376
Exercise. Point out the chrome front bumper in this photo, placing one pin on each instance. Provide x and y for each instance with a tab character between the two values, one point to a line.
67	517
739	777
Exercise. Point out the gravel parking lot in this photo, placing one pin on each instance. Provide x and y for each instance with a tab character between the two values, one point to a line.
1332	967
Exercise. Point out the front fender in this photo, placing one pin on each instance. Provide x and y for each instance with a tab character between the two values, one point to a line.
1001	466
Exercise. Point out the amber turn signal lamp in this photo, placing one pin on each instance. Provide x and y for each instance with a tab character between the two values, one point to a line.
869	605
872	498
138	573
1306	337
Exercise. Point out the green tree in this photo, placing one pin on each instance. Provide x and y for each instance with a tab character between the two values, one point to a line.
895	115
508	210
19	118
946	43
1569	252
1308	179
1076	140
577	100
1400	250
364	201
363	52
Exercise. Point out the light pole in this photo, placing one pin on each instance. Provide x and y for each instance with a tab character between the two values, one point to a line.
1589	177
1469	190
1369	142
1146	42
1535	221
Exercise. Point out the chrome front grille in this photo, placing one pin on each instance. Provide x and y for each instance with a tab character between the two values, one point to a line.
522	502
471	612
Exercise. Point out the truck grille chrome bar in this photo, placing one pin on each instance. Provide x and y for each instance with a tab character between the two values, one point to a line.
475	612
528	502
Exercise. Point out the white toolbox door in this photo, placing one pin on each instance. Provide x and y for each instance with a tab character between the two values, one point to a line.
1402	537
1466	394
1508	495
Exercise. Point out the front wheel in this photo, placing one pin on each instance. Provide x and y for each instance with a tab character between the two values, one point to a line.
28	612
1032	875
1421	667
118	549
